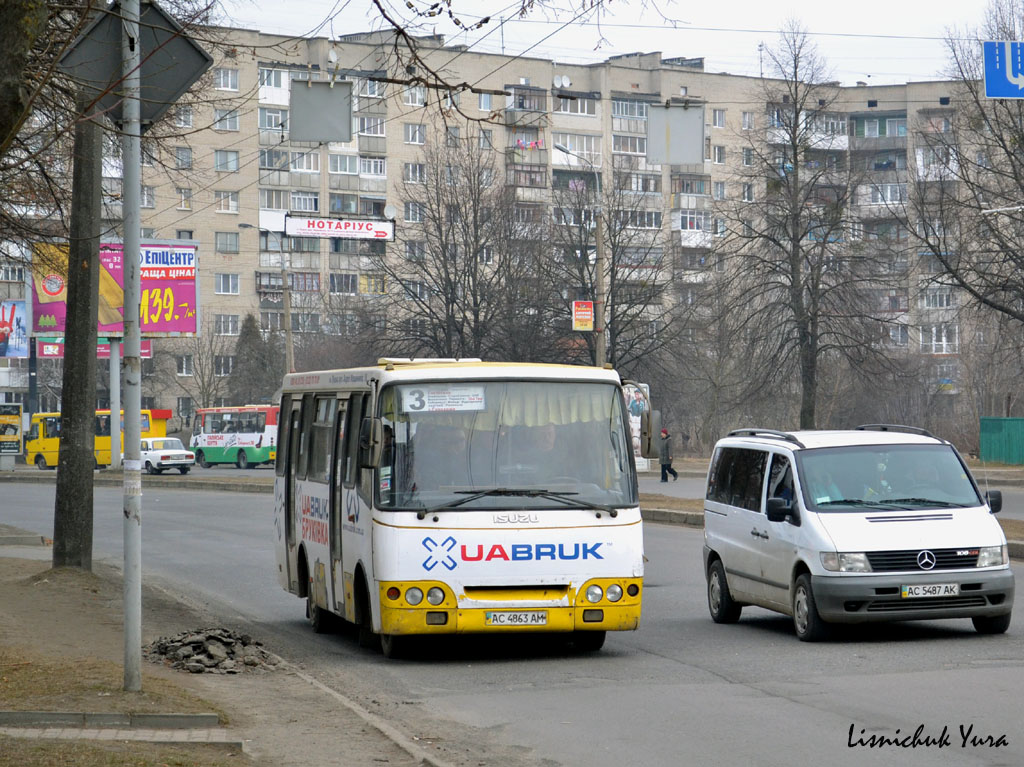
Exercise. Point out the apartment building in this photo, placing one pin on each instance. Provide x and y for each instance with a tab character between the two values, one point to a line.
233	173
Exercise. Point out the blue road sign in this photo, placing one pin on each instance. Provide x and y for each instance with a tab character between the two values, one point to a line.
1004	70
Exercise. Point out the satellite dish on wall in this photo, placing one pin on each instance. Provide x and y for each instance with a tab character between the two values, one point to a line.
566	82
390	211
558	81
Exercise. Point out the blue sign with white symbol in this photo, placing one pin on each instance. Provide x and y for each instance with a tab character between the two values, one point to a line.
439	553
1004	70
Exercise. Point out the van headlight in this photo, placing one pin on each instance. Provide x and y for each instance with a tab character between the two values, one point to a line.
845	562
990	556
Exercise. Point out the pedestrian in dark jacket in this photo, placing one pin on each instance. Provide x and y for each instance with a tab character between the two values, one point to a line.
665	456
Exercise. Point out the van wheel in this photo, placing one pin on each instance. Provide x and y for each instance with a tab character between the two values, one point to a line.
991	624
720	602
41	463
808	624
201	460
319	618
242	461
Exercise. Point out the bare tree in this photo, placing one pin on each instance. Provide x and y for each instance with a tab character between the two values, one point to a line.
200	366
805	292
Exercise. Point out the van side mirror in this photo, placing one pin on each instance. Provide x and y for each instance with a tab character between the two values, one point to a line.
650	427
777	509
371	443
995	500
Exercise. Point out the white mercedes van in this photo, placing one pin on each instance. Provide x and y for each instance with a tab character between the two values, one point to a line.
879	523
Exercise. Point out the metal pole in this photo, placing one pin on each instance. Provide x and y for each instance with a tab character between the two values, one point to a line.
132	179
115	403
289	350
600	344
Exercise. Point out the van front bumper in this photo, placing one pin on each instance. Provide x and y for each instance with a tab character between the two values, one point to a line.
861	599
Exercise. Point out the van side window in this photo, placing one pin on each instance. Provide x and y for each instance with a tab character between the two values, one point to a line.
737	477
780	482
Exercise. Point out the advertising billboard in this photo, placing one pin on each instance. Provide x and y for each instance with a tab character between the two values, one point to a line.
10	428
169	299
13	329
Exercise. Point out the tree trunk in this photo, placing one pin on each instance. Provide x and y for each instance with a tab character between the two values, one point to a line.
73	509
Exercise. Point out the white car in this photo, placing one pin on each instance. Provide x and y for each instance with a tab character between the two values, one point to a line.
159	453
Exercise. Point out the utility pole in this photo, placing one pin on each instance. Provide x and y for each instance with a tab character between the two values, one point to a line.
286	286
600	266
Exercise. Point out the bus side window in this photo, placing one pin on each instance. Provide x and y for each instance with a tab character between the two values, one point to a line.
351	454
308	411
283	422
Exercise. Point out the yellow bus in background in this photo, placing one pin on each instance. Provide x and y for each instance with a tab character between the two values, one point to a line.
42	445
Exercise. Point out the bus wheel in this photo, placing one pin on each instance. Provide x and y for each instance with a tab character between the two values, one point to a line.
201	460
41	463
319	618
242	461
588	641
394	646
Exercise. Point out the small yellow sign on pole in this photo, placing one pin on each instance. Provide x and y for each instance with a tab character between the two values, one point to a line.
583	316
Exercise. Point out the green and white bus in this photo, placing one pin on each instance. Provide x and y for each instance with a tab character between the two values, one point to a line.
245	436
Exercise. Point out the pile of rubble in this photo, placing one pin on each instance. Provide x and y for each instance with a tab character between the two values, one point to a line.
211	651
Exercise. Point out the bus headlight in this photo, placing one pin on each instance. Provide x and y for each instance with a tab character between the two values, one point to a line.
414	596
594	593
990	556
614	592
845	562
435	595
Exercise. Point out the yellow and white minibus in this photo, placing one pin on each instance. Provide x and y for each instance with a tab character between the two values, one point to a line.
421	497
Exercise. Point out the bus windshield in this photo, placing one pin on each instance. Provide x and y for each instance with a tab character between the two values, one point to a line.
447	441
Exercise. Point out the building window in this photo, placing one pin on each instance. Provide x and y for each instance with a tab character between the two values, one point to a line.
273	159
305	202
225	79
415	133
452	135
184	364
227	202
226	242
345	283
343	163
184	198
871	128
343	203
271	78
373	166
305	162
226	284
747	121
718	190
414	173
373	284
690	185
484	102
748	193
225	160
415	250
415	291
371	88
183	157
271	320
371	126
748	156
485	255
718	154
183	234
691	220
272	118
183	116
636	145
940	339
576	106
225	119
225	324
718	118
888	193
640	219
414	96
148	197
273	199
938	298
413	212
223	364
899	335
896	127
486	139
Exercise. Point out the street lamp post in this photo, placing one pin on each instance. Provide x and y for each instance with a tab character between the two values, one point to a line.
600	353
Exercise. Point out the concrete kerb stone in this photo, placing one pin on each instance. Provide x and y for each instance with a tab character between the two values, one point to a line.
84	719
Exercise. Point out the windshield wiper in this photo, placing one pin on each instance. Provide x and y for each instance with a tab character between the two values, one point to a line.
860	502
929	501
523	492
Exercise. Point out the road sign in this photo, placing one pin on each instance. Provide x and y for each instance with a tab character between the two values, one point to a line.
345	228
1004	69
171	62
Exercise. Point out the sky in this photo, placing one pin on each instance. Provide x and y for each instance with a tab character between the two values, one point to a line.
879	42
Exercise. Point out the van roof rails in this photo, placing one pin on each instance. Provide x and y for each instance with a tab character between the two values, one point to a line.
895	427
756	432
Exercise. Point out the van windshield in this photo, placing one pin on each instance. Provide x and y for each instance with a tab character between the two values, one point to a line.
885	477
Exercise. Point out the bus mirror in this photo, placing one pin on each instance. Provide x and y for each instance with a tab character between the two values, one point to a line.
370	443
650	428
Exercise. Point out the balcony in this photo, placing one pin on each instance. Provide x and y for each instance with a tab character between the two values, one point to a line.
526	106
526	155
877	143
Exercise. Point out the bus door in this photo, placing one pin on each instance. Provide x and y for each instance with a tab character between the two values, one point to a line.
342	586
290	456
352	519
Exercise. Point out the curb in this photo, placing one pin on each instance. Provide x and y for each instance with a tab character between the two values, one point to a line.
25	540
83	719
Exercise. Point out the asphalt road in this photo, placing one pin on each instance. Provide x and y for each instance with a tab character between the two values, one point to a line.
681	690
